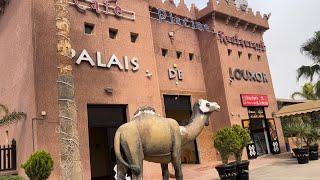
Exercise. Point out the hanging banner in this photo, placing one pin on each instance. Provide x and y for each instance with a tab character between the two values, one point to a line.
250	100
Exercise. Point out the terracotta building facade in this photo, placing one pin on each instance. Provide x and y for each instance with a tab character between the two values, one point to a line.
132	53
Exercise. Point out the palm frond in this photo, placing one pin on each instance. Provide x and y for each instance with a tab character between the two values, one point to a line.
4	109
14	116
11	117
295	94
311	48
317	89
308	92
308	72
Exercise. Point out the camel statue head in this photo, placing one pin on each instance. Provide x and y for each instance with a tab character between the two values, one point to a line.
207	107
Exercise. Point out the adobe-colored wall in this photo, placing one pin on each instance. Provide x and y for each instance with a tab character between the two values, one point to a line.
235	88
17	75
206	76
132	88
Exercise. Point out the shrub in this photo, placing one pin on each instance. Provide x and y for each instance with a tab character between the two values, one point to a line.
243	138
38	166
297	128
11	178
225	141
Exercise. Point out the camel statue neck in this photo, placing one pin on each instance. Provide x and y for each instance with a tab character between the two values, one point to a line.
193	130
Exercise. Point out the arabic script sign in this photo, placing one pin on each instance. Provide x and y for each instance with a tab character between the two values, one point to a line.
249	100
109	7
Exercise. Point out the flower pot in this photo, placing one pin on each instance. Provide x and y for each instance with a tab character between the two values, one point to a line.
302	155
314	152
243	170
227	171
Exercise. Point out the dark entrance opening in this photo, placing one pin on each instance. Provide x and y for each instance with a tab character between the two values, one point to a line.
104	120
259	130
179	108
259	136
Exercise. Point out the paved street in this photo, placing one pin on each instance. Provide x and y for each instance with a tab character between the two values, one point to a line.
287	169
280	167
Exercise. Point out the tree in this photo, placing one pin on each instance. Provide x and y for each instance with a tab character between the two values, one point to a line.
70	159
39	166
6	117
312	49
308	92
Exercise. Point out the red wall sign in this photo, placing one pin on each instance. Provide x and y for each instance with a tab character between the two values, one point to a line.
249	100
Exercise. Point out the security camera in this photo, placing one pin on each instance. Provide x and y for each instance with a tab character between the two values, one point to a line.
230	81
149	75
43	113
171	34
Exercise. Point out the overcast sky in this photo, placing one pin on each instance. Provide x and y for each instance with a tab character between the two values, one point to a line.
292	22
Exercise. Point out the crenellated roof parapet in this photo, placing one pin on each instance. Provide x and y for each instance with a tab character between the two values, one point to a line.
225	10
231	14
179	9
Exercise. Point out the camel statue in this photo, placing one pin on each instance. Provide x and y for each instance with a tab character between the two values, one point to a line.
156	139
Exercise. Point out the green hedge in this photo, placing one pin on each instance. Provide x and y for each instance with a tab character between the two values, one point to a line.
11	178
39	166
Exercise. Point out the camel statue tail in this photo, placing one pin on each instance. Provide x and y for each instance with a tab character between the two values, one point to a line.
117	147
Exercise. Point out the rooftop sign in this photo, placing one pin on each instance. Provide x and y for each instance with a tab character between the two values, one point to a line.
168	17
241	42
109	7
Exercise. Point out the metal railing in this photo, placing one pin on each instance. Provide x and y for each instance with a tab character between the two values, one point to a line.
8	157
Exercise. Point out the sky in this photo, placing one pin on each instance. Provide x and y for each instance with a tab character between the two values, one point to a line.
292	23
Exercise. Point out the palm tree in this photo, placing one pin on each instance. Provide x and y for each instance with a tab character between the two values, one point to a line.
70	159
312	49
6	117
308	92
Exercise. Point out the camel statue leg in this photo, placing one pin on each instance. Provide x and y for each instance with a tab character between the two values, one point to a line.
165	171
176	162
176	156
121	170
134	153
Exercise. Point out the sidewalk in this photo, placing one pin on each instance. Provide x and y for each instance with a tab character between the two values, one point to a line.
273	167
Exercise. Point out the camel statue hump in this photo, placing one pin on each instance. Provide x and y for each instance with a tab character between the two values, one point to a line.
145	110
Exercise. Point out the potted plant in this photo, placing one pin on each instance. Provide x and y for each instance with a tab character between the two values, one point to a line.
243	138
312	138
298	129
225	143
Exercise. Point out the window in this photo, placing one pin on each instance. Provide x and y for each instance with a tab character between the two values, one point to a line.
258	57
134	37
113	33
191	56
88	28
229	52
164	52
239	54
249	56
179	54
